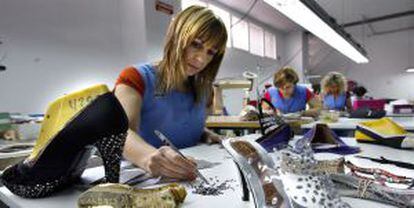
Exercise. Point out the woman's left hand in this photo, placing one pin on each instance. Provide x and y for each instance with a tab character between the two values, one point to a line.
214	138
210	137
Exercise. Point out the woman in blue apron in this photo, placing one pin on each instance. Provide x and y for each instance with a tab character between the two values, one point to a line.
171	95
334	94
289	97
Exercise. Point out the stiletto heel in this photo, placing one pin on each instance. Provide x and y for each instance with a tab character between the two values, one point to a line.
111	149
73	124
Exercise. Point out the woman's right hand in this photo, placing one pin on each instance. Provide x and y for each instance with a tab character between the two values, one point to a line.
168	163
159	162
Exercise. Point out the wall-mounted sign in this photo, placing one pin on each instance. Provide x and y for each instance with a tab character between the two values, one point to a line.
164	7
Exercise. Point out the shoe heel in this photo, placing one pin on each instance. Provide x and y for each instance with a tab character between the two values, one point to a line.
111	149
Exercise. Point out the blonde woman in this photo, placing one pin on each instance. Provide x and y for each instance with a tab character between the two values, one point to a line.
171	95
334	94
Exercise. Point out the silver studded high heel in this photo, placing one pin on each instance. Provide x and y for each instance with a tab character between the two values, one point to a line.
307	182
285	178
256	173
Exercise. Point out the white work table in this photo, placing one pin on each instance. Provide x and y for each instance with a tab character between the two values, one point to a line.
226	170
400	115
351	123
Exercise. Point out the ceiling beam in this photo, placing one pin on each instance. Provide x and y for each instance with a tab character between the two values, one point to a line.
369	25
380	18
392	31
331	22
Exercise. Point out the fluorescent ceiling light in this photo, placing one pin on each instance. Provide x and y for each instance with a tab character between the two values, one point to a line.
313	76
303	15
410	70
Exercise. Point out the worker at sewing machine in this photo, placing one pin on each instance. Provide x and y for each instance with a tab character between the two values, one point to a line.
288	97
171	95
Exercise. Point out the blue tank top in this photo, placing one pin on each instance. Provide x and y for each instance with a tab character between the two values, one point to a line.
174	114
332	103
294	104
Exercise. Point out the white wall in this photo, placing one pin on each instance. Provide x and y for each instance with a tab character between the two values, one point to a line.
156	28
294	51
55	47
384	76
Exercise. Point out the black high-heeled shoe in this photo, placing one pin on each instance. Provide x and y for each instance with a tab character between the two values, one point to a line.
276	132
60	157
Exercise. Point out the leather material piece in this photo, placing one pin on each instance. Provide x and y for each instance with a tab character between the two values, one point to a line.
384	132
323	139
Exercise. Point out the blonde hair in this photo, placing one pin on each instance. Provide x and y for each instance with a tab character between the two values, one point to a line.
333	78
285	75
190	24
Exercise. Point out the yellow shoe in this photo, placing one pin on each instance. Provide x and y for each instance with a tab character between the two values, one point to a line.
61	111
72	125
384	131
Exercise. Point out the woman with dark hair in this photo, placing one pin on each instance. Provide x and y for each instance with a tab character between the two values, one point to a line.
359	92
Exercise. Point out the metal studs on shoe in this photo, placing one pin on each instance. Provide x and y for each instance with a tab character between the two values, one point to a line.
111	152
111	149
305	183
35	190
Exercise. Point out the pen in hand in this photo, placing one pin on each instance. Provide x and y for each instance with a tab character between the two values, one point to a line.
166	141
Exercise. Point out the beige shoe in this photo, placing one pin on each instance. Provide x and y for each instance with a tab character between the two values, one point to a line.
119	195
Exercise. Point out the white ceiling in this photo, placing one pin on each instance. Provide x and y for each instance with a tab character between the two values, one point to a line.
344	11
261	12
352	10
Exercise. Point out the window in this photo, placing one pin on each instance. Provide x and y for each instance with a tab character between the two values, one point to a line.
270	45
256	40
225	17
243	34
187	3
240	33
